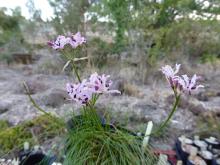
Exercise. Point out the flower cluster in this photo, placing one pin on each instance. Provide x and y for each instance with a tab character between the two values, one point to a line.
171	74
82	92
73	40
181	83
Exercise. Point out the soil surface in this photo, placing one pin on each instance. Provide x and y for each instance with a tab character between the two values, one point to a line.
136	106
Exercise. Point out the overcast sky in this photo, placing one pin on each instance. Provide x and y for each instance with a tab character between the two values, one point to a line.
46	10
43	5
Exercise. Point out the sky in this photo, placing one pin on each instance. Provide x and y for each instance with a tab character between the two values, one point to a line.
43	5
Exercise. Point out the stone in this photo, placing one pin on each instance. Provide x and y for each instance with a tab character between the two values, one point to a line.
118	85
184	103
196	109
4	106
145	107
34	86
55	98
191	104
202	97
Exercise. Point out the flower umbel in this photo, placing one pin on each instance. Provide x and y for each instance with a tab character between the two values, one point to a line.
59	43
180	83
82	92
79	92
188	85
74	41
101	84
170	74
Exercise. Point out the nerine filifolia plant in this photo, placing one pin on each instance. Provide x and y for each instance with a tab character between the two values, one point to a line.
90	139
180	85
85	92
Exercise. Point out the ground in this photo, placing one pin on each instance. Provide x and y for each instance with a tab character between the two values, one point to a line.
139	102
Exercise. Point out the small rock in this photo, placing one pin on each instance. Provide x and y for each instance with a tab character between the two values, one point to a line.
184	102
118	85
55	98
4	106
126	88
33	86
197	109
191	104
202	97
145	107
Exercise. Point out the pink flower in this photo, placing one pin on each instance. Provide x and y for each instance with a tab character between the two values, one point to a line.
79	39
180	83
82	92
188	85
59	43
79	92
101	84
170	74
76	40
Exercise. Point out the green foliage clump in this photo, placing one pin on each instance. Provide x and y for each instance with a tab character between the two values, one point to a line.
99	50
89	142
208	124
11	37
69	15
46	127
190	39
14	137
3	124
40	129
9	25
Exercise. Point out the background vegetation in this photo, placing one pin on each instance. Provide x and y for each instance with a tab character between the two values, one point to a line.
148	29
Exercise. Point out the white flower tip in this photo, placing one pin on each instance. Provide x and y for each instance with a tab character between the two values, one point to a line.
178	65
200	86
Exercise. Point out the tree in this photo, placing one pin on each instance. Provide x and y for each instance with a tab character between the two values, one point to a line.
35	14
69	15
9	25
119	13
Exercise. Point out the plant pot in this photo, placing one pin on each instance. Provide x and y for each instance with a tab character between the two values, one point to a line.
35	158
181	155
200	144
189	163
197	160
215	144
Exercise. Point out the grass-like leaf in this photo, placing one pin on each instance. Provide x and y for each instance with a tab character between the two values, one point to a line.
91	142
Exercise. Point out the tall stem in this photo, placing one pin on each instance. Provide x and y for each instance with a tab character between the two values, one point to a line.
76	71
164	124
66	54
36	106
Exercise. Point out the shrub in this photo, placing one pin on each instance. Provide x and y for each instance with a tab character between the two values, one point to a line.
189	38
42	128
99	51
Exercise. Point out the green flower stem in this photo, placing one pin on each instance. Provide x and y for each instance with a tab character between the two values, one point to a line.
35	104
76	71
164	124
66	54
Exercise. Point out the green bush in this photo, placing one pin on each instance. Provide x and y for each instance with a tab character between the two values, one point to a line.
99	51
42	128
3	124
192	38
